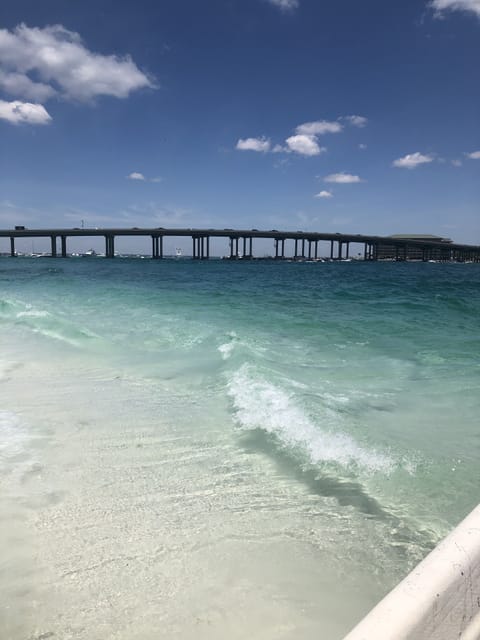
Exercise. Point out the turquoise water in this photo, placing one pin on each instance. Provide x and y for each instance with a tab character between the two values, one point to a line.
217	449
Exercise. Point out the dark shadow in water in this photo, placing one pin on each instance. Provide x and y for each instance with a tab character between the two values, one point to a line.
289	463
347	492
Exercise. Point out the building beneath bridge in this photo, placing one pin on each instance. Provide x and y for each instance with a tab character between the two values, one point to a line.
416	251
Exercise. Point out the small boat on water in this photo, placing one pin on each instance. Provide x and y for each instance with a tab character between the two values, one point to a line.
178	253
91	253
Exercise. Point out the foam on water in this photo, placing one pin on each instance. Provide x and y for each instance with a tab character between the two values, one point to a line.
226	349
262	405
41	321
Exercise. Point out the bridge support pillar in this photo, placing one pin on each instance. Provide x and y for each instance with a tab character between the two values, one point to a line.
331	249
12	248
157	247
110	246
53	242
64	246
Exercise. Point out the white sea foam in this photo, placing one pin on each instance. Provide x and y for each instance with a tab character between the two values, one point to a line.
262	405
226	349
33	313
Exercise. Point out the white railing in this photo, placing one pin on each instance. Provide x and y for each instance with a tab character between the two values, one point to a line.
439	599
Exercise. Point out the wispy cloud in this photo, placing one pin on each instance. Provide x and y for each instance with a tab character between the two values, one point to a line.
318	127
17	112
285	5
60	64
472	6
356	121
324	194
457	163
412	160
304	145
362	146
342	178
140	177
253	144
474	155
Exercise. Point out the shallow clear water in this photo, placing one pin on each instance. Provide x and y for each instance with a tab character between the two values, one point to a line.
228	450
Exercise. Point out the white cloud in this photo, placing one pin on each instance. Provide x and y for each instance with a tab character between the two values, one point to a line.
18	112
60	63
324	194
136	176
356	121
362	146
457	163
285	5
19	84
342	178
278	148
304	145
456	5
475	155
412	160
253	144
318	127
157	179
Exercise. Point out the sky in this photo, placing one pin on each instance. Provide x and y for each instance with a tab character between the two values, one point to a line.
332	116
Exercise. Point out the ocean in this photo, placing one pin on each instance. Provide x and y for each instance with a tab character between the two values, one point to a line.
228	449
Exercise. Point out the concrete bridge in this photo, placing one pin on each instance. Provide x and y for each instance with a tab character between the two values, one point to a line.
303	245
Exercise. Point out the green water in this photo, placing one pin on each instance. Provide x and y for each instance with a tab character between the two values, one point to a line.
217	449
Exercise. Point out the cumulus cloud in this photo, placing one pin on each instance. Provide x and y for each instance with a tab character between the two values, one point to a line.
324	194
305	140
285	5
253	144
342	178
356	121
135	175
17	112
61	65
472	6
412	160
304	145
19	84
475	155
362	146
318	127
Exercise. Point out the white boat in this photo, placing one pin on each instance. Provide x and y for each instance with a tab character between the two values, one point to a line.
90	253
178	253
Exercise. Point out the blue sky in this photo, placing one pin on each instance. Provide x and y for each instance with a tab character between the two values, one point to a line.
349	116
